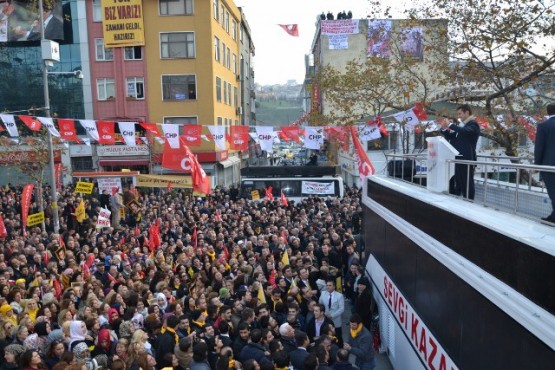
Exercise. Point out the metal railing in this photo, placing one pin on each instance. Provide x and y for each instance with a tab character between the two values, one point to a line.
507	186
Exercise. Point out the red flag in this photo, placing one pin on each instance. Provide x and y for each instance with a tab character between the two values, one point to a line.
67	130
152	128
176	159
272	278
218	215
86	271
365	167
339	134
239	138
31	122
46	257
291	29
194	238
3	231
284	200
57	288
201	182
154	239
115	190
420	112
381	125
58	175
169	186
137	231
106	132
26	202
269	194
191	134
527	123
291	133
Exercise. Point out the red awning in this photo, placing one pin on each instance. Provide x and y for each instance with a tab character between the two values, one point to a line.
123	162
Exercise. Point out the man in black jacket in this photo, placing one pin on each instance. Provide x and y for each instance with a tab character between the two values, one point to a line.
254	350
168	339
364	305
464	140
318	321
544	154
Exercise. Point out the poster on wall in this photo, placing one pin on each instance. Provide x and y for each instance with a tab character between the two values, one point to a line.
338	42
379	39
122	23
411	43
20	20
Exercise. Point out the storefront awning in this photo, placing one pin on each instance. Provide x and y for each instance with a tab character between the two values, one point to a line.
123	162
229	162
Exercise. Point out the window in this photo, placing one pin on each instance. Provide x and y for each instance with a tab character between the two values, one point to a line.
222	14
181	120
225	92
223	53
135	87
176	7
82	163
179	87
105	88
217	49
234	29
103	54
235	96
228	59
216	7
219	89
97	11
177	45
133	53
241	34
226	25
219	121
229	93
234	63
388	142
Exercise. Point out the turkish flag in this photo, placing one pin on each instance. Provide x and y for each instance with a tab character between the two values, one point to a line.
291	133
67	130
3	231
31	122
420	112
291	29
191	134
239	138
106	133
201	182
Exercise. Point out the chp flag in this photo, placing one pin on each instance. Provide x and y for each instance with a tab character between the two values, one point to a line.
103	218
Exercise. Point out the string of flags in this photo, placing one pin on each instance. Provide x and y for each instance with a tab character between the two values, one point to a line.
291	29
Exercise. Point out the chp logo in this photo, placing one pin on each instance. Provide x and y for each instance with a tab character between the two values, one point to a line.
185	164
265	137
127	133
171	135
217	137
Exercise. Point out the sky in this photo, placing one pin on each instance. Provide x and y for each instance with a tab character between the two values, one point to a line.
278	56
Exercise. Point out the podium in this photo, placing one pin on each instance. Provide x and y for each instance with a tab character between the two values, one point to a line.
439	170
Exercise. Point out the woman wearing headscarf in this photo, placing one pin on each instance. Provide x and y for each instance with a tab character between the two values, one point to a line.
103	344
77	333
42	329
12	354
7	314
162	303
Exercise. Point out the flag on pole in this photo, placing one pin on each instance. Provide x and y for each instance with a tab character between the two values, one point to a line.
365	167
80	213
285	258
260	295
291	29
284	200
3	231
269	194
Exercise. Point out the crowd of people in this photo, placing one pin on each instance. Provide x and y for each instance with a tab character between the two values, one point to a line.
187	283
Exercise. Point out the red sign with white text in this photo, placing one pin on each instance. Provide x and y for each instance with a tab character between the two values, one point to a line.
26	202
425	345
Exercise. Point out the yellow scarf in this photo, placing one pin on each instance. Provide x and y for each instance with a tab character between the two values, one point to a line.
212	255
275	302
281	368
170	330
231	364
357	331
200	324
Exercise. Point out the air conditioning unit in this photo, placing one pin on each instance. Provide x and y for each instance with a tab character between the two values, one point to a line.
239	110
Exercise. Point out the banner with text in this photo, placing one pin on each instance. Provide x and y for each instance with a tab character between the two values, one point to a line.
161	181
108	183
318	188
103	218
123	23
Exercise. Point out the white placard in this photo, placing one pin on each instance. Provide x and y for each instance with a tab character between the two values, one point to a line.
103	218
108	183
338	42
318	188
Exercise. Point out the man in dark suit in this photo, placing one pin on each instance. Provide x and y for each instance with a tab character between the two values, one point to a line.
53	27
298	356
364	304
464	140
544	154
318	321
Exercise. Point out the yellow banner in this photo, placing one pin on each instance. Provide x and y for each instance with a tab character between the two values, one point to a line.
161	181
123	23
35	219
80	214
84	187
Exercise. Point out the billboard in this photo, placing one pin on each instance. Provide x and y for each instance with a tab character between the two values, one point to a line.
20	20
412	43
122	23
